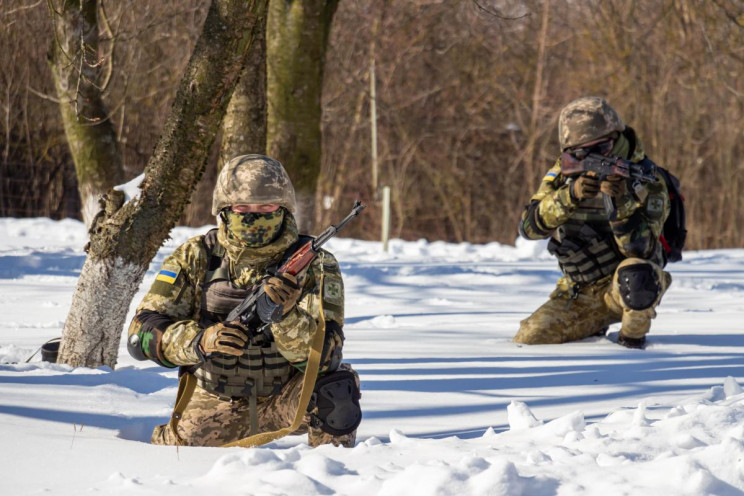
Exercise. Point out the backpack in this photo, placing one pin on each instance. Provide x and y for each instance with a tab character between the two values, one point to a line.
674	234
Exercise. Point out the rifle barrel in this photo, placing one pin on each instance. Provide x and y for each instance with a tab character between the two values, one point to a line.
332	230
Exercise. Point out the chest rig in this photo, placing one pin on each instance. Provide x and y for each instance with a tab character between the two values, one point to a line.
585	246
261	370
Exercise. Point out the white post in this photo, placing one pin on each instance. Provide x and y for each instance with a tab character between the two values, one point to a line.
373	130
373	121
385	217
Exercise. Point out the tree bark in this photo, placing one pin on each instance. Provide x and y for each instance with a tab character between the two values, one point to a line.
298	33
244	126
76	68
125	238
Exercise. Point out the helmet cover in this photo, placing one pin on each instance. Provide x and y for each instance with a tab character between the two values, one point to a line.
587	119
253	179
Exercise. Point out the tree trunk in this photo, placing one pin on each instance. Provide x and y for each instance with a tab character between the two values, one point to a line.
244	126
296	46
76	68
125	238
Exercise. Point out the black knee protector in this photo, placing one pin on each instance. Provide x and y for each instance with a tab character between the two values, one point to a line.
336	396
639	285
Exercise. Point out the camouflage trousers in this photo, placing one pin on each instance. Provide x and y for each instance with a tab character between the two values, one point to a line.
211	421
563	318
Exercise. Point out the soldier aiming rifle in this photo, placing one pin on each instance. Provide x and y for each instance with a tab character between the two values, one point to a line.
609	250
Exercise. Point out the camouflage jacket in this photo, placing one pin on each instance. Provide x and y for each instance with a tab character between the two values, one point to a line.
167	321
640	219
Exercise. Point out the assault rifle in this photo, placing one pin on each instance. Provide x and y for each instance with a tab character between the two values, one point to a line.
258	304
602	167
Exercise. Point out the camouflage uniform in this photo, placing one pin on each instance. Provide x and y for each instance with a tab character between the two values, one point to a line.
593	251
192	292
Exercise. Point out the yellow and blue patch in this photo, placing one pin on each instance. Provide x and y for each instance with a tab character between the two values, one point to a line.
169	274
550	176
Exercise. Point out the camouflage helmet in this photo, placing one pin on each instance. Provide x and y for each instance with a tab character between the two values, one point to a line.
587	119
253	179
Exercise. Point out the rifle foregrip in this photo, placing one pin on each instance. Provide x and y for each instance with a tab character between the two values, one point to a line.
299	261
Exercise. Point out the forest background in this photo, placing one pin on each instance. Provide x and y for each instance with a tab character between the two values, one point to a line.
468	94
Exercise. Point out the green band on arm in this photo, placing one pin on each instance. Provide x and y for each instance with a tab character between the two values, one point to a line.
300	366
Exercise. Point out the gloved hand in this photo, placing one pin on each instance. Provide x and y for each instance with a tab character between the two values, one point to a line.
585	187
225	337
614	186
283	290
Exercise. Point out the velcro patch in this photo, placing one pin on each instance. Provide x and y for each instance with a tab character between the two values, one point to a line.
550	176
168	273
332	291
655	206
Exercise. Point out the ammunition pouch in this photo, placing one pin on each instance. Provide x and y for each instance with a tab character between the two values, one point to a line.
587	256
336	401
260	371
639	285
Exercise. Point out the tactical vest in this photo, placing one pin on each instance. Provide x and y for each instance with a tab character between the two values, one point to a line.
261	370
585	246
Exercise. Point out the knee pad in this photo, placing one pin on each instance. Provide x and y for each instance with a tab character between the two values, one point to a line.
639	285
336	397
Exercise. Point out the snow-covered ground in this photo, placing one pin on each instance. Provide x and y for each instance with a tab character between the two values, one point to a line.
451	405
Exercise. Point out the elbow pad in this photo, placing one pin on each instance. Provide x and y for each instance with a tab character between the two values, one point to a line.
530	226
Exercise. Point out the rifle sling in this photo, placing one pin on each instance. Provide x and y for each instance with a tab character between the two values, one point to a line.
308	384
186	386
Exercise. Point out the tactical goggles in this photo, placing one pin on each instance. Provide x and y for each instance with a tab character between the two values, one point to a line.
602	148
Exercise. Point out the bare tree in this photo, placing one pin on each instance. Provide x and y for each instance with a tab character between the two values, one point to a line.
77	67
297	39
468	96
124	238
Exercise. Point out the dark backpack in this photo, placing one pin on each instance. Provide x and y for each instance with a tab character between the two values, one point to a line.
674	233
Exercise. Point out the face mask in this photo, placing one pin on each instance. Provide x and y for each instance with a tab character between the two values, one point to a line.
254	229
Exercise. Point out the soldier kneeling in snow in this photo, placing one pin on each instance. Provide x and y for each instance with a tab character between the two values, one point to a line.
236	381
612	269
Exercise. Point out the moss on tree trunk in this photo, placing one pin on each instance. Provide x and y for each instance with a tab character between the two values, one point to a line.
244	126
296	45
75	65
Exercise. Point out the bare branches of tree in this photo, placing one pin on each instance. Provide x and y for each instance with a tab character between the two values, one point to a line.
467	101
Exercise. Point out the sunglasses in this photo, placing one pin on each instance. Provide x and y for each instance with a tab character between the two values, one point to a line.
602	148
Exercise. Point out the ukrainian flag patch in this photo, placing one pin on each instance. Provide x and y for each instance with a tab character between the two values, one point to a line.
169	274
550	176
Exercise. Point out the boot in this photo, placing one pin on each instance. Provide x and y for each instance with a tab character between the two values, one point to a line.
633	343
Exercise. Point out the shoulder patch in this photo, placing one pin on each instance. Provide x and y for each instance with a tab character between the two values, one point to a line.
550	176
332	291
168	273
655	206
